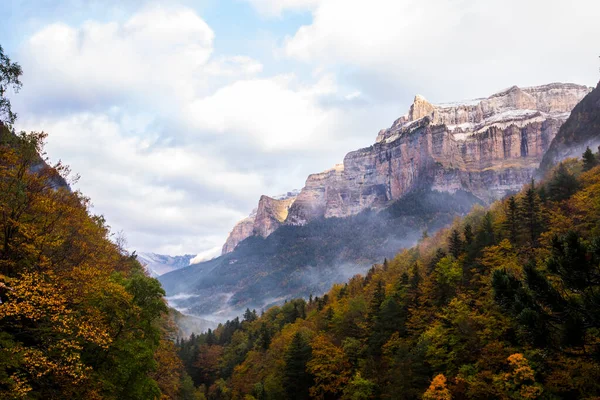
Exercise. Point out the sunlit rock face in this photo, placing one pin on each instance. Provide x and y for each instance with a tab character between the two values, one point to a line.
240	231
268	216
488	147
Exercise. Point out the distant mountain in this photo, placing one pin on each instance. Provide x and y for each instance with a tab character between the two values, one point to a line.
431	166
159	264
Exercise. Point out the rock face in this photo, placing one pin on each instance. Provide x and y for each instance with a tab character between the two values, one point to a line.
488	147
240	231
581	130
268	216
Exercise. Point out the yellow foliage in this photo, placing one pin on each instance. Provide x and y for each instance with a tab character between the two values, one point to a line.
437	390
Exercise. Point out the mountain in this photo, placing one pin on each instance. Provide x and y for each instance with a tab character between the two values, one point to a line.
270	214
158	264
500	305
432	165
580	131
488	147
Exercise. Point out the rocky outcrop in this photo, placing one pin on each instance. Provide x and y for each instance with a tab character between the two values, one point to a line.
240	231
581	130
488	147
268	216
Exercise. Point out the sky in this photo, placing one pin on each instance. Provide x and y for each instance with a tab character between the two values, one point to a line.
178	115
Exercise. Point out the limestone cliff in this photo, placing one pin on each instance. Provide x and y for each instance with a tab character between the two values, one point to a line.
488	147
581	130
240	231
268	216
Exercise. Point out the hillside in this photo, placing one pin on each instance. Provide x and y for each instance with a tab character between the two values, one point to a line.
431	166
79	318
580	131
503	304
300	260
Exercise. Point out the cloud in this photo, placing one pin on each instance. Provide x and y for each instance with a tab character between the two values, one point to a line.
175	142
276	113
273	8
206	255
156	56
451	48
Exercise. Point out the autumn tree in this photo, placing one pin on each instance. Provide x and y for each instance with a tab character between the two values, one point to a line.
437	390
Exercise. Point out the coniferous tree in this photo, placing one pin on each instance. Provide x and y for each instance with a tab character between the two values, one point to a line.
562	184
530	213
376	300
468	233
589	159
455	245
297	380
512	219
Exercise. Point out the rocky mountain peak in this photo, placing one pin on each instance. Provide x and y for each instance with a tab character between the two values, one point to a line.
487	147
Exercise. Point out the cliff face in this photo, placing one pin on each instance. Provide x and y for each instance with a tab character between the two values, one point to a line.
488	147
581	130
240	231
268	216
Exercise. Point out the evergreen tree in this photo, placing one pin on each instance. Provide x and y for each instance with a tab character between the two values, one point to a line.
250	315
264	336
512	223
468	233
376	300
562	185
530	211
297	380
455	245
589	159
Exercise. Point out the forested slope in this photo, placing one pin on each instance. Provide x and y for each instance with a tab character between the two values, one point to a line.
79	318
503	304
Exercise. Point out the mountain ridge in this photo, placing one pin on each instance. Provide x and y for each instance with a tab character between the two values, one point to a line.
489	143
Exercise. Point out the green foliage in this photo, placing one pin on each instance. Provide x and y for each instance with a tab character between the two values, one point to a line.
10	74
297	380
589	159
510	310
78	316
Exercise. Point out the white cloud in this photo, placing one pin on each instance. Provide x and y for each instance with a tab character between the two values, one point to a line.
273	8
451	48
277	113
146	189
206	255
156	56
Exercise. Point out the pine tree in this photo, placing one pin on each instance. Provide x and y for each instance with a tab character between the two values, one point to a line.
376	300
589	159
455	245
512	215
297	380
562	185
468	233
264	336
530	213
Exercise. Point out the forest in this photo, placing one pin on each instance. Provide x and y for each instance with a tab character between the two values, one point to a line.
502	304
79	317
